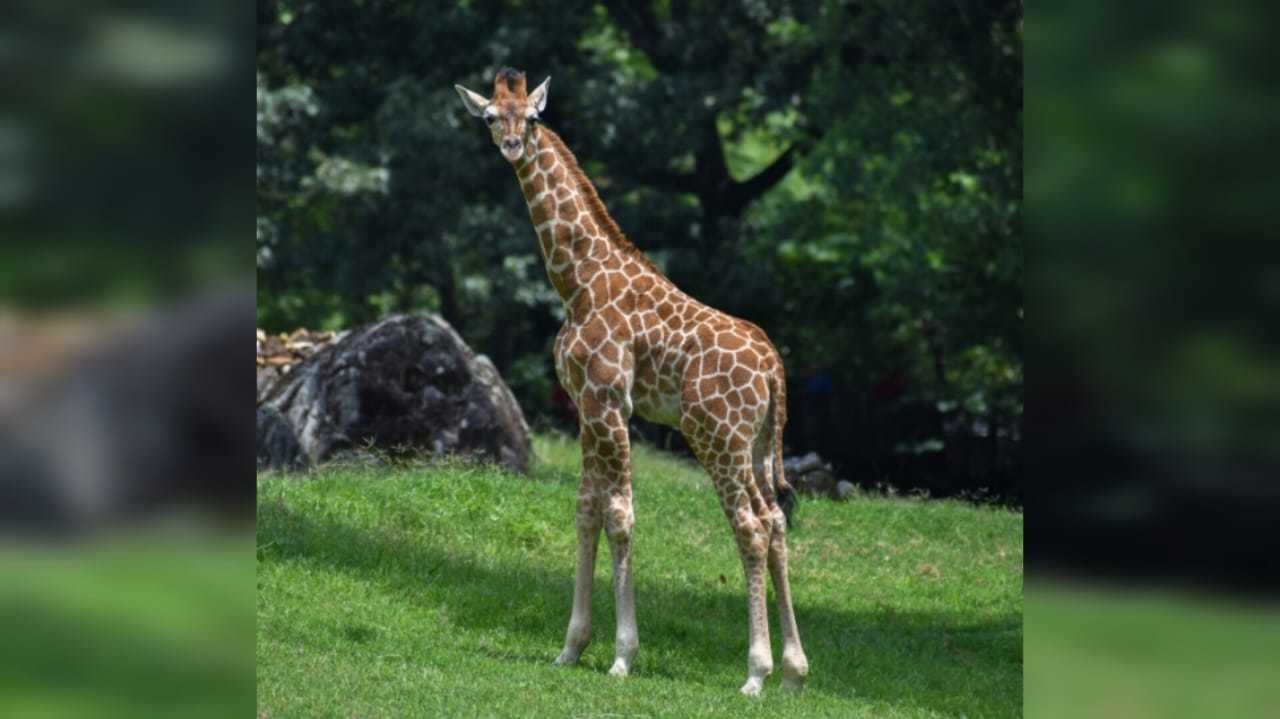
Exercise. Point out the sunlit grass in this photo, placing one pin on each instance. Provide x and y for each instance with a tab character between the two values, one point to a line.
445	592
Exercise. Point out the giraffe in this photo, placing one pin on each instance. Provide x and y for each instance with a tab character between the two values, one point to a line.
632	342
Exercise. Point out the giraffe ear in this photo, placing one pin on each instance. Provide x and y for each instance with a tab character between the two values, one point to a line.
538	98
474	101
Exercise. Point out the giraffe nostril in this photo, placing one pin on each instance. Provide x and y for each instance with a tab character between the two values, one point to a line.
510	144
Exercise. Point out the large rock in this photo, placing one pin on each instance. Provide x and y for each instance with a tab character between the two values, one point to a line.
404	383
278	446
809	474
147	416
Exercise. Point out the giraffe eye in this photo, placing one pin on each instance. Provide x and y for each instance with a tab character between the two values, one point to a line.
493	119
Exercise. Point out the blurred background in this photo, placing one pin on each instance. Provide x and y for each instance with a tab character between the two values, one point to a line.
847	175
126	301
1153	405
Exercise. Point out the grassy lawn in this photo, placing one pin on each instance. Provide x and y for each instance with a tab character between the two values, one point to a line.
149	624
445	592
1132	653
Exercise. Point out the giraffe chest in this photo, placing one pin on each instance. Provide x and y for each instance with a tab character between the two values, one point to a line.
638	368
656	389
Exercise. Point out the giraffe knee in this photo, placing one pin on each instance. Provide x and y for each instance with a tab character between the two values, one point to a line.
588	509
778	519
588	522
751	533
618	523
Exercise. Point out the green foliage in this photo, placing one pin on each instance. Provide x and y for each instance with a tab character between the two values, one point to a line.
445	591
1152	230
531	377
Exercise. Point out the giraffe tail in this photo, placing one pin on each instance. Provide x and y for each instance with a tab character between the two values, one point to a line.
782	489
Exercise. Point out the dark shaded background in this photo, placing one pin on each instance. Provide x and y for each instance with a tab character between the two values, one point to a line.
1153	412
124	271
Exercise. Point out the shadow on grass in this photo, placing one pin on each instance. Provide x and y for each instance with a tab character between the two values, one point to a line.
939	661
58	663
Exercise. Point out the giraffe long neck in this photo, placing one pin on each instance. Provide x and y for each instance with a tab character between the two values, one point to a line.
577	236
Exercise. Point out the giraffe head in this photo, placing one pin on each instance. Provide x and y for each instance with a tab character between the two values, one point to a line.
512	112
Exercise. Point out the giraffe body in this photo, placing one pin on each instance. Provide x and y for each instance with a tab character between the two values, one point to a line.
633	343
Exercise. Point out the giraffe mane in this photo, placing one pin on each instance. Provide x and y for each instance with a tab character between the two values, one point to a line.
595	206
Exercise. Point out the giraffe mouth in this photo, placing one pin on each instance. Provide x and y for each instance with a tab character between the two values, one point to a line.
513	153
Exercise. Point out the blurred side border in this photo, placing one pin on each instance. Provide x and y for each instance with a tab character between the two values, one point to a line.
126	302
1153	383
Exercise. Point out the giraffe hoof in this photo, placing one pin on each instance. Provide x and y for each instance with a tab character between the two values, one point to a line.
792	684
752	687
619	669
565	659
794	670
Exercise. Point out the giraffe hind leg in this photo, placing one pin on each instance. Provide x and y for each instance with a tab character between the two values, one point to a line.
795	666
766	461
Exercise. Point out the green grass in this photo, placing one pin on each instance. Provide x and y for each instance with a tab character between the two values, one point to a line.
152	624
445	591
1133	653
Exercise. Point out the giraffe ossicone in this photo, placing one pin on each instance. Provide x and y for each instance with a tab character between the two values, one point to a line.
632	342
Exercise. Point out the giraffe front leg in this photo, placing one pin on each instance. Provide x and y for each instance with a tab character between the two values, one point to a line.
606	449
578	635
619	520
606	470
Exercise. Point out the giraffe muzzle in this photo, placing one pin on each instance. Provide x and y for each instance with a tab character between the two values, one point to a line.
511	148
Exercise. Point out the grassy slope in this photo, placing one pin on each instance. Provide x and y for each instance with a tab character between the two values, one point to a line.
151	624
1134	653
445	592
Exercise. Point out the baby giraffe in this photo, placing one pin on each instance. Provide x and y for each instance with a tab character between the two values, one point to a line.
633	342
